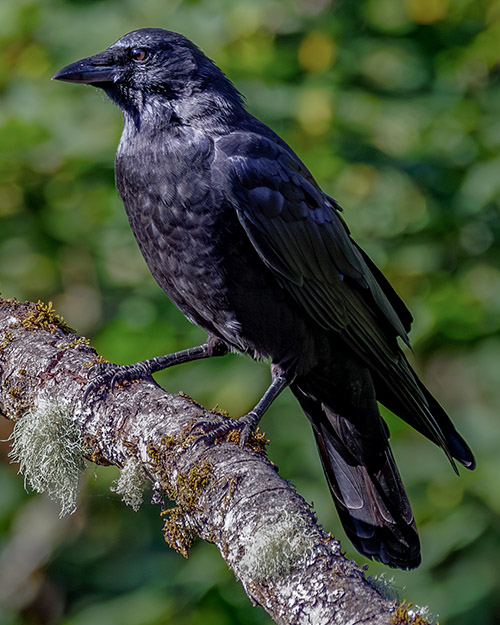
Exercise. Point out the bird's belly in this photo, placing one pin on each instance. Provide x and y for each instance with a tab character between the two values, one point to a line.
207	266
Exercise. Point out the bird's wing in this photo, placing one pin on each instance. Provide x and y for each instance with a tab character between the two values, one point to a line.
299	233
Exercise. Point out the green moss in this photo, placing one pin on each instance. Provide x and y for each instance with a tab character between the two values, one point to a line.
404	615
92	451
14	392
41	316
185	491
169	442
154	453
97	361
219	411
77	342
256	441
6	341
189	486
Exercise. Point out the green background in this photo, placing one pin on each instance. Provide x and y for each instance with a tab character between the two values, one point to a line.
394	106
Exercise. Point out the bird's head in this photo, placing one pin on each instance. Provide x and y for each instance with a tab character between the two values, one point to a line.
152	65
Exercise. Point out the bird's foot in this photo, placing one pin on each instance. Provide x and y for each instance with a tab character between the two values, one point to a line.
235	430
105	376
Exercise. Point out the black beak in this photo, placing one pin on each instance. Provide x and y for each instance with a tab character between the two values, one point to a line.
95	70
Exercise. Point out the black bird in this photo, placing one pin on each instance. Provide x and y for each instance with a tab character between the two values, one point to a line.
237	232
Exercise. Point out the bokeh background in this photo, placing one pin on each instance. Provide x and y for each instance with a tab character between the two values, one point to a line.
395	107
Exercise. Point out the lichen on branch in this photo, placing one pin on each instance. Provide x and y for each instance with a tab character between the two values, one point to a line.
46	442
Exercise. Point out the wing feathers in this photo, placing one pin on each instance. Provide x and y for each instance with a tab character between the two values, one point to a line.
300	235
297	229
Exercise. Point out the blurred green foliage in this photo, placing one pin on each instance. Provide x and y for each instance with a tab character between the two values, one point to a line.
394	106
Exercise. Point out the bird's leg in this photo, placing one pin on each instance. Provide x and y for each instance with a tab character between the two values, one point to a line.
248	422
106	375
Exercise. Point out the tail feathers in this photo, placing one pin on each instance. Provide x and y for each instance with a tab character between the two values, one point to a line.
457	446
366	487
411	401
372	505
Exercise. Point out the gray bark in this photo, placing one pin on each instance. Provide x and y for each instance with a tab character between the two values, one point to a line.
225	494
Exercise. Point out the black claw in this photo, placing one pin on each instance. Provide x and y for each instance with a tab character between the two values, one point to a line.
212	432
104	377
208	431
113	382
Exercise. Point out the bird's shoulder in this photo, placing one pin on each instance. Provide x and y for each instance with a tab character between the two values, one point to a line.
298	230
270	180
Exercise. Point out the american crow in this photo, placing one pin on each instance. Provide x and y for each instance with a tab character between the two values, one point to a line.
237	232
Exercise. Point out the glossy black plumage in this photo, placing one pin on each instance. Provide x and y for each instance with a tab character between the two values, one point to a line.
239	235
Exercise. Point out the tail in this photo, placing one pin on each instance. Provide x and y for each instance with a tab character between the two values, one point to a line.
363	478
405	395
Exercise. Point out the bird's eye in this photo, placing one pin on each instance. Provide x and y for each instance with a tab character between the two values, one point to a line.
139	54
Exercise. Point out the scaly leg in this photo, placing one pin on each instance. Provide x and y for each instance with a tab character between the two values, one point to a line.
248	422
107	375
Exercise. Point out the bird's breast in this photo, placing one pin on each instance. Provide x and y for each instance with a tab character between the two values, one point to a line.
188	234
197	250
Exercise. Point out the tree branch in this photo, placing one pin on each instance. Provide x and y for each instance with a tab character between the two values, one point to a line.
225	494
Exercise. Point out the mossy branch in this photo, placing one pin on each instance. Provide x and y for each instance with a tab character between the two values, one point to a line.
224	494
